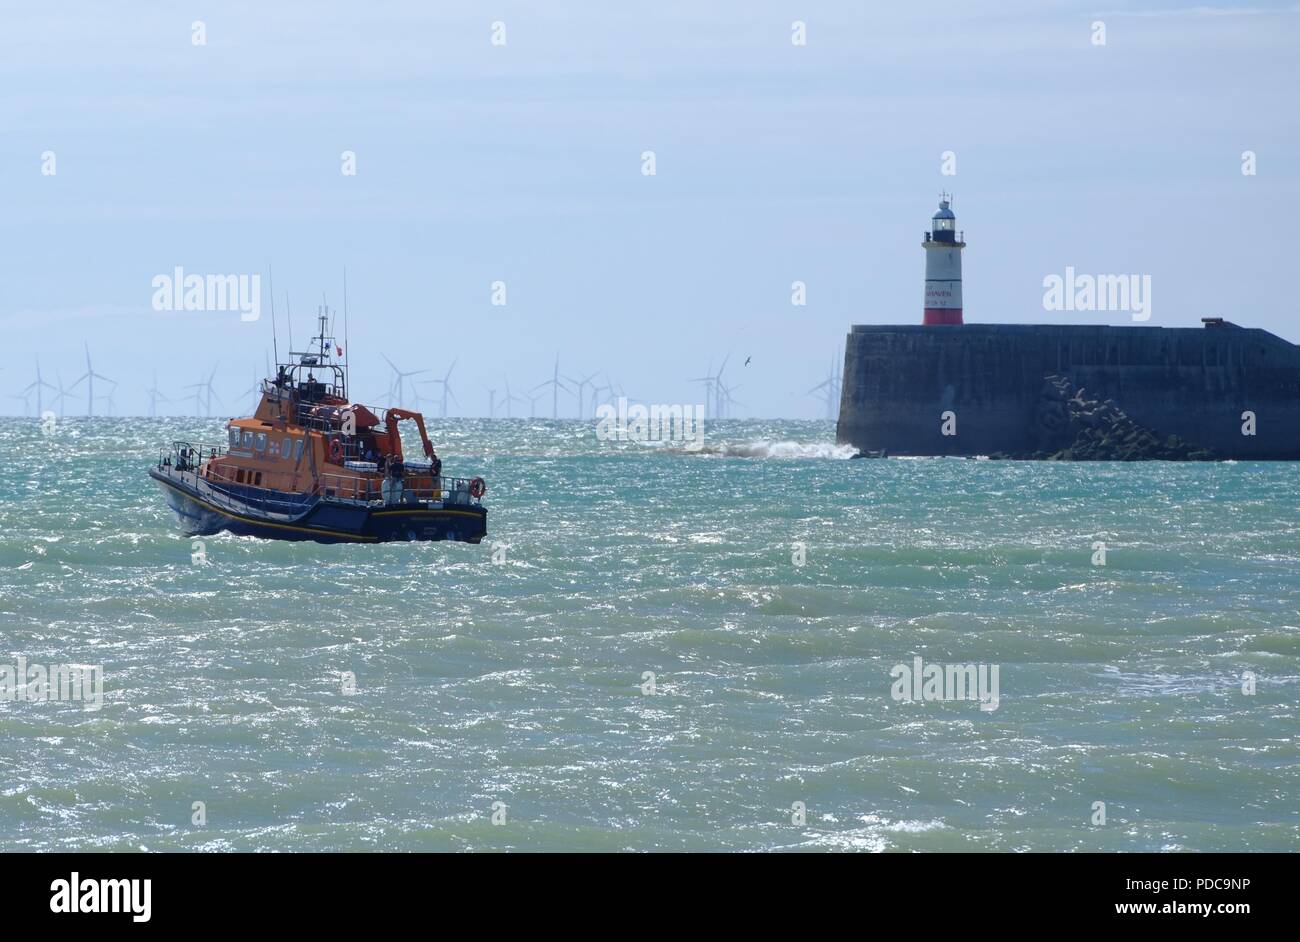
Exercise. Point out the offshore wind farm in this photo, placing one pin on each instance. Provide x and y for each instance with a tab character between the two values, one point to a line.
570	397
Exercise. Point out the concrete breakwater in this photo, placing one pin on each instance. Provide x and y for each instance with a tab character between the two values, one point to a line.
979	389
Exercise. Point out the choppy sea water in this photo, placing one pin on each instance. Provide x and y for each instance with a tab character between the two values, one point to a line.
519	683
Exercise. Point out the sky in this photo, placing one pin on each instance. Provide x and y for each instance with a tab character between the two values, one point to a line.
479	162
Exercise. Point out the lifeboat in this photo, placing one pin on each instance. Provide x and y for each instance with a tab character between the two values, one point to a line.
310	464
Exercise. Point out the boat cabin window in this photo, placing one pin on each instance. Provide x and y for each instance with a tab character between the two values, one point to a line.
258	480
286	449
248	439
234	438
297	449
261	441
239	476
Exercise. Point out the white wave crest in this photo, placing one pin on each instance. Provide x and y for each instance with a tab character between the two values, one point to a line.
765	448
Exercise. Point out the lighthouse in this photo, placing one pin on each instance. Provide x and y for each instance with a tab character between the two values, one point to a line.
943	267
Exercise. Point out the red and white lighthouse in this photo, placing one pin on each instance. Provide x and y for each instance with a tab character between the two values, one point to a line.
943	267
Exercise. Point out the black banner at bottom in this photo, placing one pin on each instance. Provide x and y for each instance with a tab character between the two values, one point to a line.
333	891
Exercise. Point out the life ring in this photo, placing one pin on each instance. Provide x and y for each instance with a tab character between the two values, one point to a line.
336	451
477	488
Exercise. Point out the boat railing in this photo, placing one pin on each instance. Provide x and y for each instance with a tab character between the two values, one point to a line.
356	448
308	418
188	456
371	491
354	488
351	450
457	491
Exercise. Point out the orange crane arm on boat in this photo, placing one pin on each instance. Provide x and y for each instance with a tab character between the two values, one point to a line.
395	440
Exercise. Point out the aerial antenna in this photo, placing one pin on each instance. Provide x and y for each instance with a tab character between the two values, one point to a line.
271	287
334	315
288	316
347	344
324	315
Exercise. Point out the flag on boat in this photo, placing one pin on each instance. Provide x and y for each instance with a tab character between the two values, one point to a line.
340	349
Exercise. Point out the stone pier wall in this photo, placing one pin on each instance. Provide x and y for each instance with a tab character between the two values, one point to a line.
1190	382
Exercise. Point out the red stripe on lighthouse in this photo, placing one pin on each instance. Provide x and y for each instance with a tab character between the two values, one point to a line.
941	315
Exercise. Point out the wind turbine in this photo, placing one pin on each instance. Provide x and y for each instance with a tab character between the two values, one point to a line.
445	382
596	390
109	398
419	398
511	398
556	386
196	396
580	384
62	393
492	403
212	393
89	378
155	396
206	392
397	389
722	394
725	399
710	381
830	389
38	386
255	391
825	394
532	404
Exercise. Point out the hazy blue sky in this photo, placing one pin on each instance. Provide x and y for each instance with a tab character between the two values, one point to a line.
522	163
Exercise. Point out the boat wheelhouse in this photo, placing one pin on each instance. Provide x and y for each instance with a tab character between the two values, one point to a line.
310	464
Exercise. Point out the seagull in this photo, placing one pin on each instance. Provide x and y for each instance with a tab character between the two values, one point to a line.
747	359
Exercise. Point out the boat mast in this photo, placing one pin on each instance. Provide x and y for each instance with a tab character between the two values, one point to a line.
347	344
325	347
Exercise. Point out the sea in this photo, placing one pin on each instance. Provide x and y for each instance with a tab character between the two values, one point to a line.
659	648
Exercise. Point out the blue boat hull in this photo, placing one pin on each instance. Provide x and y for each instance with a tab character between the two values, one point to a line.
323	520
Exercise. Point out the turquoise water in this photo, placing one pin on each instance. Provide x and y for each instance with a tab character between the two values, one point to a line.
520	682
